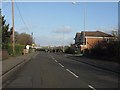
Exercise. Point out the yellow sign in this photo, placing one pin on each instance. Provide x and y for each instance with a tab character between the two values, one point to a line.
33	44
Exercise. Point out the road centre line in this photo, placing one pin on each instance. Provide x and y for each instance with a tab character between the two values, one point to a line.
61	65
66	69
91	87
56	61
72	73
52	57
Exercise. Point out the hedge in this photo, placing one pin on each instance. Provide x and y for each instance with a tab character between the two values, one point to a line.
109	51
18	49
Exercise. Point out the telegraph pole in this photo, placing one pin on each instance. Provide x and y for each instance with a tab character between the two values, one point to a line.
32	37
32	40
13	32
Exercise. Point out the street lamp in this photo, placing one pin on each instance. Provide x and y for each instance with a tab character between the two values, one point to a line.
63	41
84	42
84	26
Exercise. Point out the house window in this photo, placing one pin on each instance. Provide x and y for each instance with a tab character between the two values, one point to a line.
84	41
107	40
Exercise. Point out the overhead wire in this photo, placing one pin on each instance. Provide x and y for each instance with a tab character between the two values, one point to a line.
21	16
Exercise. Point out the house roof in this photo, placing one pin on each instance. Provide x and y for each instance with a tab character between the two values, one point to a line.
96	34
77	35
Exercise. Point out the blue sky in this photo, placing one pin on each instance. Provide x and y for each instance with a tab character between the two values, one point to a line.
52	21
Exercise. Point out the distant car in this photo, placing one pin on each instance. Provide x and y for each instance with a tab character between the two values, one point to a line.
46	50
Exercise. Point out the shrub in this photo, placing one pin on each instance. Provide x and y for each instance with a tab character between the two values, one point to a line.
109	50
70	50
18	49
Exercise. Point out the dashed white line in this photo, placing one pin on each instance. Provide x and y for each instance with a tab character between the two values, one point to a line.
66	69
61	65
52	57
91	87
56	61
72	73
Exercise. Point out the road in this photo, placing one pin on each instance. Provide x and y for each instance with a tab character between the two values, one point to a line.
50	70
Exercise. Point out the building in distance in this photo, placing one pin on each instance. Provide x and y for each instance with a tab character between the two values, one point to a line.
88	39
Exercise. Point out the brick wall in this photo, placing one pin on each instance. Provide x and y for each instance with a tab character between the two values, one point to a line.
92	41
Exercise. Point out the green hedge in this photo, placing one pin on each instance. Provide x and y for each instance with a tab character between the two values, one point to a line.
18	49
69	50
103	50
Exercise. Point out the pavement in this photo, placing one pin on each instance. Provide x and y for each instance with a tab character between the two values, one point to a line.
13	64
50	70
102	64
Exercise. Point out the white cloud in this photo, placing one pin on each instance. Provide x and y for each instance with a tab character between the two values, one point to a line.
65	29
55	40
60	36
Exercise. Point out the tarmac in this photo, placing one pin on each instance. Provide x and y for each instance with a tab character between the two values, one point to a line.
102	64
11	65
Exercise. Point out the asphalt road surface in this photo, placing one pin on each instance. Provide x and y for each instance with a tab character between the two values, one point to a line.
50	70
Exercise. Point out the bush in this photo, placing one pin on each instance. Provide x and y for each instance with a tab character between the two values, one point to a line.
70	50
18	49
108	50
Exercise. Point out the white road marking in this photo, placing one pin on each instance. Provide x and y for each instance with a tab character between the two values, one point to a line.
56	61
72	73
61	65
52	57
91	87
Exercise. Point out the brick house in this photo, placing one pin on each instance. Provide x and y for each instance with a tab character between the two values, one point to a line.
91	38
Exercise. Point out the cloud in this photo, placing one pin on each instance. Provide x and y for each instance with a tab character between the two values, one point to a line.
65	29
57	40
29	27
48	40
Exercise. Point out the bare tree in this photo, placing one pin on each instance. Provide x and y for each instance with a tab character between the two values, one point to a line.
24	39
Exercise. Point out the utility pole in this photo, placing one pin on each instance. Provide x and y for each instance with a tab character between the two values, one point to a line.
32	40
32	37
13	32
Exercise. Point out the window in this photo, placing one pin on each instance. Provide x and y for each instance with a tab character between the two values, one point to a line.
84	41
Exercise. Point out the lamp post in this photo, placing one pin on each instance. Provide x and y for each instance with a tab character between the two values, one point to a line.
84	28
63	41
84	41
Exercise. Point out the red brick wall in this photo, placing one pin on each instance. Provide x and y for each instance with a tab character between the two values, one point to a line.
92	41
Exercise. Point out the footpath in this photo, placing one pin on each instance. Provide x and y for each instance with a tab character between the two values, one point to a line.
11	65
106	65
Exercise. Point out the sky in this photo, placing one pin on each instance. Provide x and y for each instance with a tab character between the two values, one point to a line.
56	23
